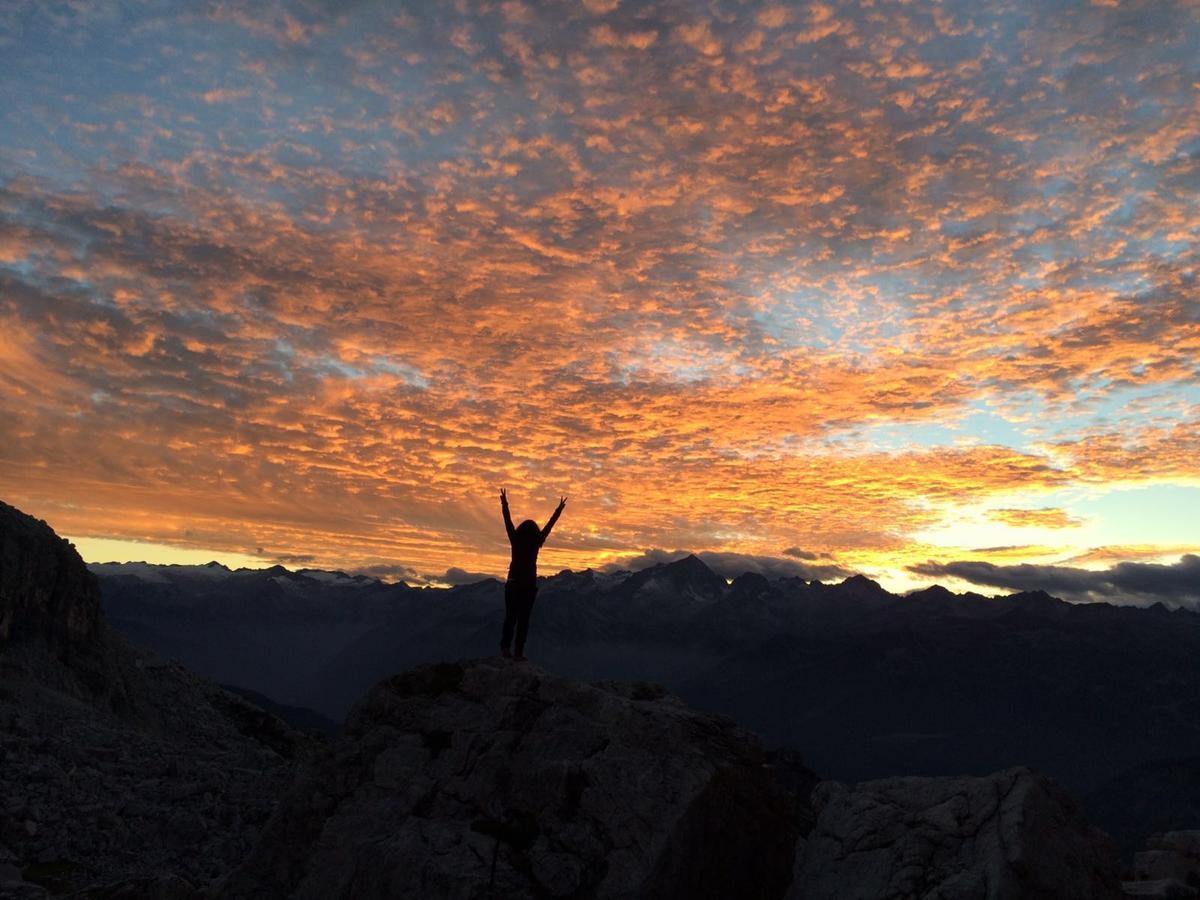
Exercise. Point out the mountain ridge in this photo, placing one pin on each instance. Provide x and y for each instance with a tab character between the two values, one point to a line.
871	684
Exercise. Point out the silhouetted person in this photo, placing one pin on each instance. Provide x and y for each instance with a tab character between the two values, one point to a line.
521	587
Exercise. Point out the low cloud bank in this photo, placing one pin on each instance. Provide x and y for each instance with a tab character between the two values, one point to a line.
1127	582
453	576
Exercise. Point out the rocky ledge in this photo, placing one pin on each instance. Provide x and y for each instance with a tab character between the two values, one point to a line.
486	779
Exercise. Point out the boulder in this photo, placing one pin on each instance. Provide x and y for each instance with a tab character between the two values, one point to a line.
1171	854
1014	834
482	779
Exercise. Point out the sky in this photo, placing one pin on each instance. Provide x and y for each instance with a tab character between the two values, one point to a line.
902	288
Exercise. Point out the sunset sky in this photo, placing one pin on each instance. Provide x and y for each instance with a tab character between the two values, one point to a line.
905	288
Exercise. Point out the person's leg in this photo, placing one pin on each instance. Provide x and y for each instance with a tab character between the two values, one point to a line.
524	609
510	619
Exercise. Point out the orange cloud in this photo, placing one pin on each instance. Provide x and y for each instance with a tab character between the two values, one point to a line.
735	283
1035	518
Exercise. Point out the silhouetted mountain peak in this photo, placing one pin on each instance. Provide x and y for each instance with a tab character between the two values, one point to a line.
750	583
862	586
686	579
693	570
933	592
690	563
1037	602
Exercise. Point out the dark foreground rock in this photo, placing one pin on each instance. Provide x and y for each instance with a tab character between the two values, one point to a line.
121	774
45	591
1014	834
487	779
1168	867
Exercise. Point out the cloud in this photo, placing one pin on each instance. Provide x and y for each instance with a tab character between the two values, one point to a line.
1177	583
455	575
730	280
289	559
797	553
1047	517
413	577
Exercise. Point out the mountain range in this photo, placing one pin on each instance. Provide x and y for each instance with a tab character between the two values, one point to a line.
124	774
867	683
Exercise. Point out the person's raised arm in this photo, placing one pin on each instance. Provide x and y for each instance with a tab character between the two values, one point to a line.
508	525
554	518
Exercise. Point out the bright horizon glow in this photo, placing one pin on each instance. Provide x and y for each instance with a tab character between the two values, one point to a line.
836	287
108	550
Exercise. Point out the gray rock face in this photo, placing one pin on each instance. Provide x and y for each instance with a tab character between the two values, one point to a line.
1013	834
487	779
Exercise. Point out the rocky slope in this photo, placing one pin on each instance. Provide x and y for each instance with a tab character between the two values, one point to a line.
1013	834
485	779
115	764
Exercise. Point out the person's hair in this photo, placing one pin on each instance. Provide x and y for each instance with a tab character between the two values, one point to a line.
528	528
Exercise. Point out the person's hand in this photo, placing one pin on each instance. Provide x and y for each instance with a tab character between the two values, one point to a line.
562	501
503	497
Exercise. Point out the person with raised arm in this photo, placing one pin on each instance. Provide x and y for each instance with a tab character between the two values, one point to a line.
520	589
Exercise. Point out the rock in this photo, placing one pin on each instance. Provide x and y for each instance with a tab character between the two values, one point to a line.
1169	868
1013	834
45	590
1172	854
85	731
483	779
168	887
1186	843
1162	888
1149	865
22	891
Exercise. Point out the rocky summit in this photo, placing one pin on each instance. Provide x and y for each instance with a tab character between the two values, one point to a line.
486	779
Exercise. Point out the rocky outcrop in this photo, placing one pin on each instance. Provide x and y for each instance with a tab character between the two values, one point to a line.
119	771
45	591
1171	861
487	779
1014	834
